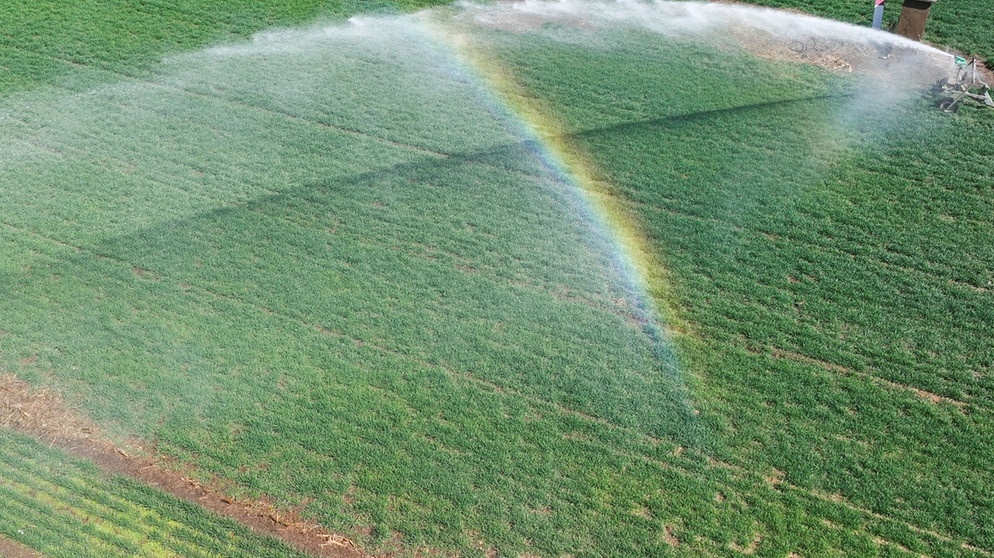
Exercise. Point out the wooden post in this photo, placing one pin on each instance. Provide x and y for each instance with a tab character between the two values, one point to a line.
914	14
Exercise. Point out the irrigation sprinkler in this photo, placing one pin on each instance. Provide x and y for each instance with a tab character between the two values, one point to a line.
967	85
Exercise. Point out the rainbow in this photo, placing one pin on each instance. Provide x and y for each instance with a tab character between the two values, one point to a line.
655	306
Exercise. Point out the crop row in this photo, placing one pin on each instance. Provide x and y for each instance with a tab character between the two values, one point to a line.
353	285
836	268
64	507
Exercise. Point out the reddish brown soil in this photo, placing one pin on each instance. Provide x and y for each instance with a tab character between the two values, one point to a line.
42	413
10	549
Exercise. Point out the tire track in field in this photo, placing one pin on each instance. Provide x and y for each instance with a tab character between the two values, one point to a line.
47	409
757	478
751	477
655	441
959	406
651	440
648	439
685	213
43	414
864	258
963	407
347	131
934	279
964	404
943	537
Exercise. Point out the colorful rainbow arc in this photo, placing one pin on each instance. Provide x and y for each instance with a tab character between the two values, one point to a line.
640	264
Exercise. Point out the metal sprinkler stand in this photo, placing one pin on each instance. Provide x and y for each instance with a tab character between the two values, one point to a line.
967	85
914	15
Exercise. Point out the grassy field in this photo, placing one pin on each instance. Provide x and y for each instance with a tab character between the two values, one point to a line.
355	286
962	25
837	267
66	507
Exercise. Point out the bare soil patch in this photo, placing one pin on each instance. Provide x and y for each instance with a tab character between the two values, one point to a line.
10	549
43	414
670	537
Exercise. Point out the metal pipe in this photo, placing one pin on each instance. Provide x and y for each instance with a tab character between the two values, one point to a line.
878	14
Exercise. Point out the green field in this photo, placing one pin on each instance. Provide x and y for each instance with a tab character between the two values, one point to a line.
963	25
66	507
332	266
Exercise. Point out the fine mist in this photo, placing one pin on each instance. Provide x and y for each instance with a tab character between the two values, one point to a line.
363	111
764	31
404	271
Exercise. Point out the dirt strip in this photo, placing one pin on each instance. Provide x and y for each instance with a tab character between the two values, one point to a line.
42	413
11	549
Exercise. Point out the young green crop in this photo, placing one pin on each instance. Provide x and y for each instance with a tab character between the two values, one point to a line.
958	24
354	286
66	507
836	267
